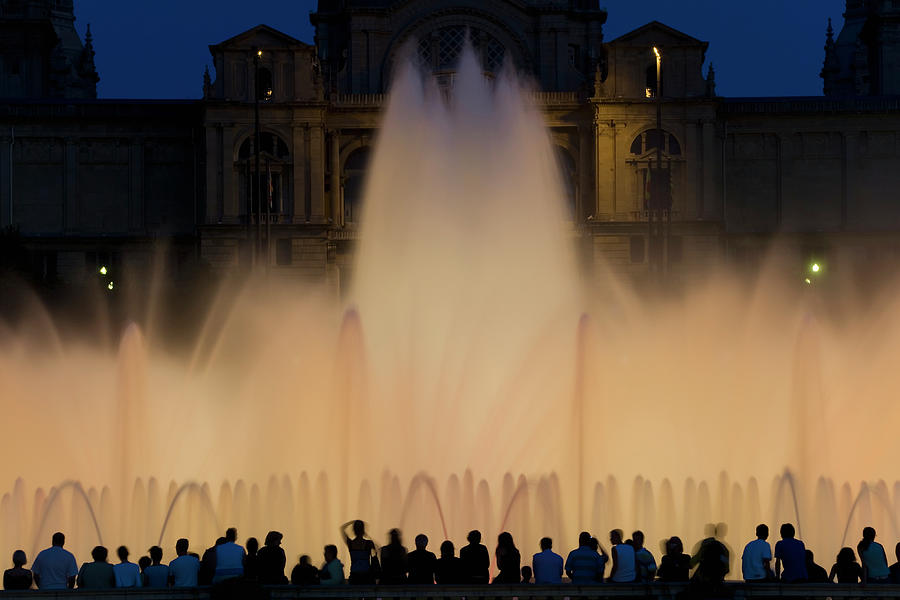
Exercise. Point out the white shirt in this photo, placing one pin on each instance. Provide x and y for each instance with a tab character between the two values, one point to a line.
752	560
54	566
128	575
184	570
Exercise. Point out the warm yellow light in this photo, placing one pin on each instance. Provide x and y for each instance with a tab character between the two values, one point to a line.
808	281
110	286
656	52
815	267
259	52
103	270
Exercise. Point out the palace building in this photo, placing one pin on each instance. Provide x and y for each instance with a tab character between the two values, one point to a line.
87	182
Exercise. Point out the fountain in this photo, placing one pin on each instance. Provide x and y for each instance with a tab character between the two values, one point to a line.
472	379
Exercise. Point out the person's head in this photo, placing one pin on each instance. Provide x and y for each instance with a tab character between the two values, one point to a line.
762	531
421	541
674	546
181	546
869	534
304	560
447	549
474	537
273	538
787	531
615	536
58	539
252	546
231	534
584	538
222	540
395	536
846	556
810	557
19	559
526	574
637	539
99	554
359	528
593	543
505	540
330	552
547	543
122	553
897	551
155	554
144	562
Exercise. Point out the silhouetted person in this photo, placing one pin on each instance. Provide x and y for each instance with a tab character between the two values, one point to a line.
756	561
143	563
55	568
448	568
394	565
362	551
675	565
251	559
527	574
18	578
128	574
547	565
508	559
711	560
229	558
272	560
157	574
845	567
895	568
476	561
873	559
623	563
208	563
815	573
97	575
643	558
421	562
791	553
332	572
597	547
184	571
584	565
304	573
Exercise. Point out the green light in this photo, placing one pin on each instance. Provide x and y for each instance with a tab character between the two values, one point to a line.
808	281
815	268
103	270
110	286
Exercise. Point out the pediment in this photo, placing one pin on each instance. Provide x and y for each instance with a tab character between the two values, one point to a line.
657	34
261	36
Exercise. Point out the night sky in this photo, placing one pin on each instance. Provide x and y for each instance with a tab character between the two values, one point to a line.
158	48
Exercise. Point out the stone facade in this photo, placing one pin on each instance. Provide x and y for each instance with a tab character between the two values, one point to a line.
85	180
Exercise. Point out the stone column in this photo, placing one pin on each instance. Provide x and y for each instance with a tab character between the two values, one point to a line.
213	167
298	153
229	199
317	173
337	205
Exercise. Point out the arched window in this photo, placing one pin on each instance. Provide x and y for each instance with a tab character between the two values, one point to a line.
272	184
440	50
568	174
355	168
651	139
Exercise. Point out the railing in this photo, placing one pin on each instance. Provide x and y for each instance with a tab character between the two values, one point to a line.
657	591
377	100
809	105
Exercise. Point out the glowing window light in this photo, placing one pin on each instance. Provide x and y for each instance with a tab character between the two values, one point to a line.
103	270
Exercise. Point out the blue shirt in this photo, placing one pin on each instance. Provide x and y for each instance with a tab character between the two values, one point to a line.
585	566
792	553
547	566
184	570
54	566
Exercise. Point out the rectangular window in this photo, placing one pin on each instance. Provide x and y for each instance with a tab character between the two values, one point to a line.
637	249
283	251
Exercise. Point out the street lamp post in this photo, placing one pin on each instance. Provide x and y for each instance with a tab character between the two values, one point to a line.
257	54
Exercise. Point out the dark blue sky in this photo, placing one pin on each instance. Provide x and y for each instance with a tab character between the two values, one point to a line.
158	48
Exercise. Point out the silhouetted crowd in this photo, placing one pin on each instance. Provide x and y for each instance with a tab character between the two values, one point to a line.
628	560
